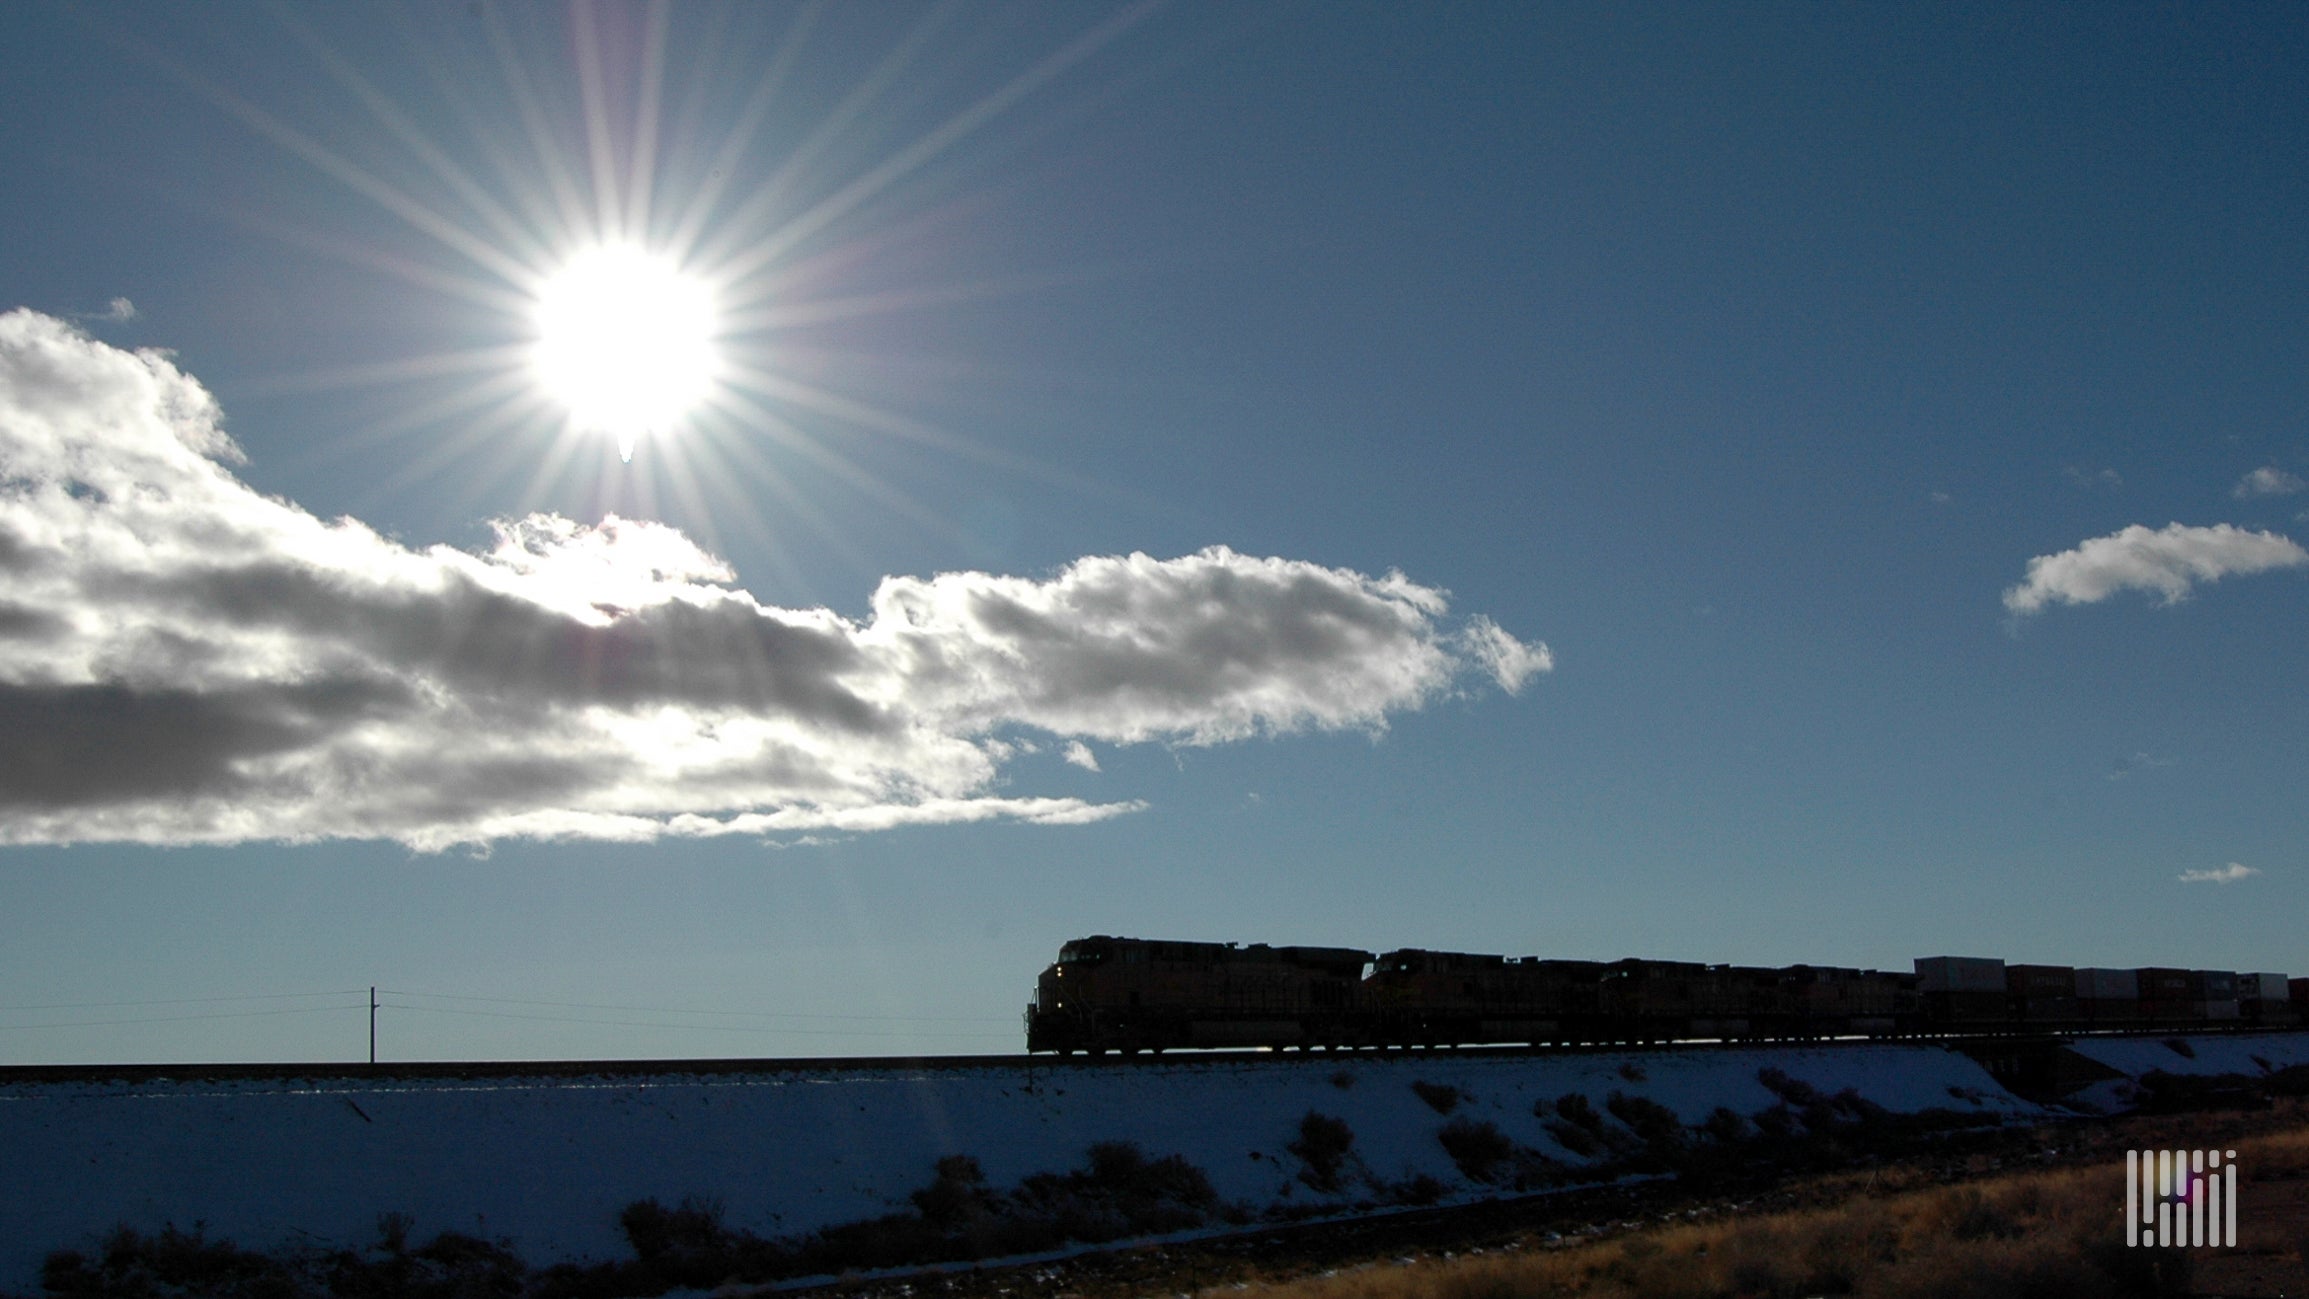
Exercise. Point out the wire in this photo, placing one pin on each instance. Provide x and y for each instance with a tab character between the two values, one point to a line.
186	1019
503	1014
680	1028
189	1001
668	1010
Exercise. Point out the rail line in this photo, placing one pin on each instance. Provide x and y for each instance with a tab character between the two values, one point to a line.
482	1070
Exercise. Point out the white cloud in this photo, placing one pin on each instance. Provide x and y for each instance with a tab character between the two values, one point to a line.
183	660
2108	480
2168	561
2268	480
2228	874
1080	755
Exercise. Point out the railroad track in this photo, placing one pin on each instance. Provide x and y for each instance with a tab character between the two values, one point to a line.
483	1070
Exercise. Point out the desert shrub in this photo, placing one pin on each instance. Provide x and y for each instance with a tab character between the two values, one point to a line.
454	1265
2180	1046
170	1261
956	1217
1655	1125
1794	1091
1632	1072
2164	1093
957	1195
688	1245
1418	1189
174	1262
1323	1145
656	1232
1576	1108
1481	1151
1343	1080
1778	1122
1650	1120
1820	1112
1441	1097
1579	1128
1120	1193
1574	1138
1860	1109
393	1232
1725	1126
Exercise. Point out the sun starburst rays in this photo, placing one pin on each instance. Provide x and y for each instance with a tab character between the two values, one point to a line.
640	282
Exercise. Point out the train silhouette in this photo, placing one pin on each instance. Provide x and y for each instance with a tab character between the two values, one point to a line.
1131	995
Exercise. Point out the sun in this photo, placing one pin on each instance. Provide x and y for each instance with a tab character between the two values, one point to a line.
625	340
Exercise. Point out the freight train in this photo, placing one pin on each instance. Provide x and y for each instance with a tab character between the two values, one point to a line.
1131	995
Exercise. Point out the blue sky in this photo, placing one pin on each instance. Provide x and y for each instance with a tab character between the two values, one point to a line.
1755	484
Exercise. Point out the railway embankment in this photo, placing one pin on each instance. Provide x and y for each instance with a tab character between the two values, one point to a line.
816	1162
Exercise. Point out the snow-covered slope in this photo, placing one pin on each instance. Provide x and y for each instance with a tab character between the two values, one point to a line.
2250	1055
548	1161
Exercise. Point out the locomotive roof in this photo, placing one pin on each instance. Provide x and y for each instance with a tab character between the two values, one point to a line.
1104	945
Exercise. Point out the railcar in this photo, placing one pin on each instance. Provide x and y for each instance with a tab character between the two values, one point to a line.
1126	994
1415	997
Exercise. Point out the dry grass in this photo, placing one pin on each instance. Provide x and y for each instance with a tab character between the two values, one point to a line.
2043	1235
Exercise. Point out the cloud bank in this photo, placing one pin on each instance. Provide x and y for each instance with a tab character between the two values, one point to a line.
184	660
2168	561
2228	874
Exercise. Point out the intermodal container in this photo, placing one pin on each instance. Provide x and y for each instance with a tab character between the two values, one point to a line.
2162	984
1960	973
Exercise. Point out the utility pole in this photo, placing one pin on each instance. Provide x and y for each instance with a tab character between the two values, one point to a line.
372	1023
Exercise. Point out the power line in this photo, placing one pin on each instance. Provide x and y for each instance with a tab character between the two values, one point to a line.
181	1019
682	1028
187	1001
366	1004
669	1010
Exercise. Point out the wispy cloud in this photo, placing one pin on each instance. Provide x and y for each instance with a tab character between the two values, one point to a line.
115	312
2228	874
1509	661
2101	480
1080	755
2268	480
183	659
2136	762
2168	561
